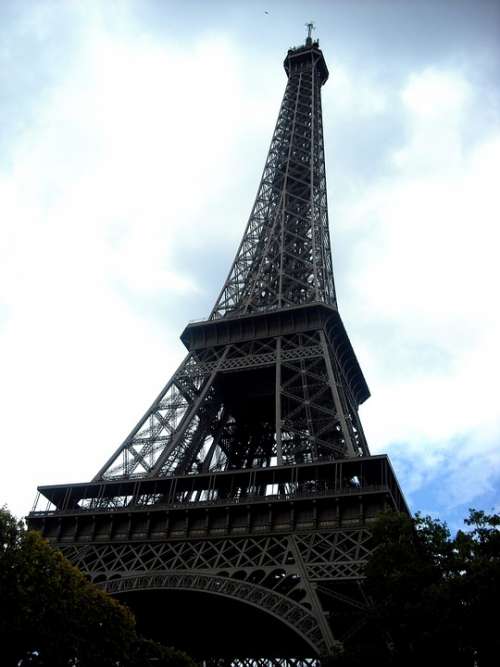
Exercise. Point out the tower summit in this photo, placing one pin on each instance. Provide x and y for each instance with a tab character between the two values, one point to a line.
248	482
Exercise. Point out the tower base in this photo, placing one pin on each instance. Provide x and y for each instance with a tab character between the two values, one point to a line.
277	552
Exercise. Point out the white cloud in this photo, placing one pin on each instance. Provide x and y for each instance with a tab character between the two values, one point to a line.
359	96
425	286
433	94
97	190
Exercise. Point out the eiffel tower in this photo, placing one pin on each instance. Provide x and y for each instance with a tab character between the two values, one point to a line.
235	518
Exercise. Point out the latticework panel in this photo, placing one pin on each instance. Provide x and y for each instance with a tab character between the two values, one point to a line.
335	556
269	662
228	555
269	560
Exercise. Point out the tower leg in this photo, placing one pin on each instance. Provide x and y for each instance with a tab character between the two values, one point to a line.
326	631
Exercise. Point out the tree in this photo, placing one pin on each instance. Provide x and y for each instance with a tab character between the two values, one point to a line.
478	585
50	614
146	651
431	595
49	610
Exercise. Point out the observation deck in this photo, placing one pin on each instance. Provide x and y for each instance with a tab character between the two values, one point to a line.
298	56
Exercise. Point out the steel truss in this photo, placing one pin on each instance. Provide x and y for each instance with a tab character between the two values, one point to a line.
249	478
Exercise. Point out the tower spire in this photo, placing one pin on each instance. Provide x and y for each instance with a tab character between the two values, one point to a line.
285	256
310	27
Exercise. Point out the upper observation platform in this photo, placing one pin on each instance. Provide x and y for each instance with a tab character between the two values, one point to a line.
306	55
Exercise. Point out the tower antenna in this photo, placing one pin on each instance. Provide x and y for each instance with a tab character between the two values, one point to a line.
310	27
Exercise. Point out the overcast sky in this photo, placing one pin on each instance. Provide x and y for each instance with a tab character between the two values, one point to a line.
132	139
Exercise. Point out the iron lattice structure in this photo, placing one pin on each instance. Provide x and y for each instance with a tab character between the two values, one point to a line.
249	479
271	376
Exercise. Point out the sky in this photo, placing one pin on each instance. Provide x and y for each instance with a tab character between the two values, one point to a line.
132	140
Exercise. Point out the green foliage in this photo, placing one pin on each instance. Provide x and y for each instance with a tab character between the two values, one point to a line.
51	611
50	614
146	651
10	531
432	596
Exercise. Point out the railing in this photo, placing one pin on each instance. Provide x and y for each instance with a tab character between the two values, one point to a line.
134	504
